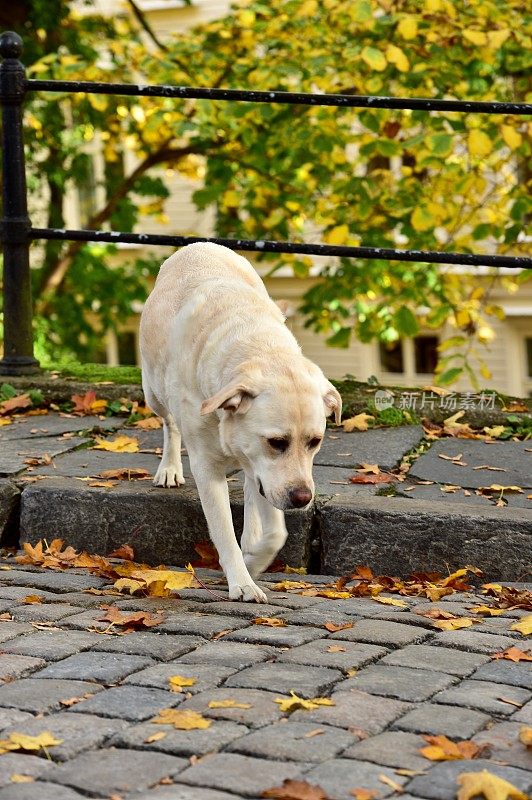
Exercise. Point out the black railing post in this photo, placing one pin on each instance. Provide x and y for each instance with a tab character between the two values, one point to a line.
15	224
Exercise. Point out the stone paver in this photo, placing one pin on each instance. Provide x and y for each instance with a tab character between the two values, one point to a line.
134	703
452	721
284	678
39	696
100	667
392	678
402	683
294	741
242	774
108	771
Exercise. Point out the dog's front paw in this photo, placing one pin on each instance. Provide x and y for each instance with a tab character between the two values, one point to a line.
248	592
169	476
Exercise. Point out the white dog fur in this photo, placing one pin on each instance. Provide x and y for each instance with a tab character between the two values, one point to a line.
220	366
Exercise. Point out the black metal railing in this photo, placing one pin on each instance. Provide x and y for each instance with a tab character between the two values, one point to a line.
17	233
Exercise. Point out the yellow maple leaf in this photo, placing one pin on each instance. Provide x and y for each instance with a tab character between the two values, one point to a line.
479	143
228	704
21	741
524	625
181	720
178	681
120	444
294	703
485	784
489	611
172	580
389	601
454	624
284	586
337	235
131	586
357	423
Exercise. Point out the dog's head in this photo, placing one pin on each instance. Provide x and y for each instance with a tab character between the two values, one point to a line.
273	423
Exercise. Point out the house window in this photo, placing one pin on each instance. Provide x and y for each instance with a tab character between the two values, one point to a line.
127	348
391	356
528	343
425	354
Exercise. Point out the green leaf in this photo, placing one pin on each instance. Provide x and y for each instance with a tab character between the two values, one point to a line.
405	322
340	339
449	376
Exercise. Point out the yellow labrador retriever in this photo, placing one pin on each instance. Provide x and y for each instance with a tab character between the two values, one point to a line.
220	366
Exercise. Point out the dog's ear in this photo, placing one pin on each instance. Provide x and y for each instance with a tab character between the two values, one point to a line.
333	402
236	397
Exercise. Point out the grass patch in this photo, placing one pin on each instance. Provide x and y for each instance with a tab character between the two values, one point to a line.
97	373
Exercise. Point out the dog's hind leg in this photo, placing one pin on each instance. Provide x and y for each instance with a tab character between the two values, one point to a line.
265	533
170	471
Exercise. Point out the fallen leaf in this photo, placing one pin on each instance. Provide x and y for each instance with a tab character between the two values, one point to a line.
181	720
271	622
88	403
391	783
336	648
525	735
16	778
228	704
156	582
488	611
120	444
124	474
440	748
14	403
149	423
178	681
493	469
435	613
20	741
524	626
364	794
71	701
369	469
454	624
333	627
286	586
32	599
295	790
496	487
136	621
357	423
220	634
495	431
312	734
487	785
382	477
293	703
513	654
389	601
101	485
155	737
125	551
208	556
510	702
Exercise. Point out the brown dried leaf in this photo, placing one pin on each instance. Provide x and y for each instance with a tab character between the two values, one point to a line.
513	654
270	622
124	474
332	627
14	403
135	621
125	551
382	477
295	790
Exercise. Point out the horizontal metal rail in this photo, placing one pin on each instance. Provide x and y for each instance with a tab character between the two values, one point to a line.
265	246
293	98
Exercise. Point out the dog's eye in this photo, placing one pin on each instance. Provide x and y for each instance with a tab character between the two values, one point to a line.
279	444
314	443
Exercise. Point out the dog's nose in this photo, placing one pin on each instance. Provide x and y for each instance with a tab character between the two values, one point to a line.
300	497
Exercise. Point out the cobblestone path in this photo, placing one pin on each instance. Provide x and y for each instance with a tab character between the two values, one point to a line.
391	675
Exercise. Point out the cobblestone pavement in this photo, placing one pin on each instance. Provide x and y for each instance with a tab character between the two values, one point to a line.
391	676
